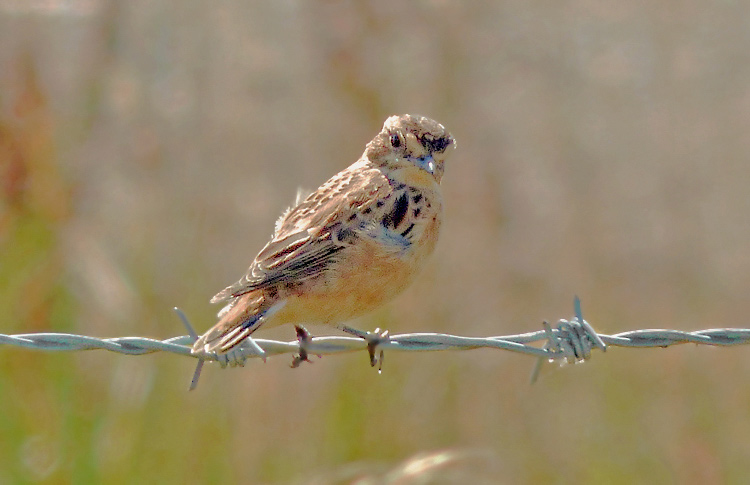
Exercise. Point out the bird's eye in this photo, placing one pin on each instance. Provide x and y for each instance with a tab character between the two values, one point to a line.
395	141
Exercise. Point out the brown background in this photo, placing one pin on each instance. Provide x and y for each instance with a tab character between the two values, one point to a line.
146	149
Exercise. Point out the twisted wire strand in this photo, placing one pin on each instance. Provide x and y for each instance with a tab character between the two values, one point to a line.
572	340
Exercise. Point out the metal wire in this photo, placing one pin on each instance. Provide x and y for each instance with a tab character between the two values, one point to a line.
571	341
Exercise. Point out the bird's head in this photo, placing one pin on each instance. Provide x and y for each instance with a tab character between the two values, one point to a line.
413	148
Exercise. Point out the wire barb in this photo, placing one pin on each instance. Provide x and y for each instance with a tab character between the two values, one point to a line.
193	335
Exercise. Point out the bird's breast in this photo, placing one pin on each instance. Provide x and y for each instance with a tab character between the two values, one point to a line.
376	267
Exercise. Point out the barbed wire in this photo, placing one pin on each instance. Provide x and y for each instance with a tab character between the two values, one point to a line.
570	341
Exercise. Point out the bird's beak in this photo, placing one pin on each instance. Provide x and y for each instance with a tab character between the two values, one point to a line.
427	164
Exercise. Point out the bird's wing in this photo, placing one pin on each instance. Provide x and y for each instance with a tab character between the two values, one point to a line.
308	236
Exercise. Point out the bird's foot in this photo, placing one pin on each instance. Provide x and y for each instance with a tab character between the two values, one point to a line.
304	338
373	339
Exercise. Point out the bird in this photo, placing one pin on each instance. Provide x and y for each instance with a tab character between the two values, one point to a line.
348	247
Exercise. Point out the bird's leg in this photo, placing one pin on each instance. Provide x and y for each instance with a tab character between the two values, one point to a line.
303	337
373	339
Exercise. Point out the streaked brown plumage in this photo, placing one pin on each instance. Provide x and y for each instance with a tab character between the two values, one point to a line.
351	245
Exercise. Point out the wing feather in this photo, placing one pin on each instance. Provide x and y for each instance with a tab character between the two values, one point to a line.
308	237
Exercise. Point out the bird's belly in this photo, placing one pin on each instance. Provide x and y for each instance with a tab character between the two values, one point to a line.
360	282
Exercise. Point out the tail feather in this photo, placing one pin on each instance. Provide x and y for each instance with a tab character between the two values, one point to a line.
235	324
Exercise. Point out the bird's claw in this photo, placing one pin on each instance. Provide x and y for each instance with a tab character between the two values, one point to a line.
373	339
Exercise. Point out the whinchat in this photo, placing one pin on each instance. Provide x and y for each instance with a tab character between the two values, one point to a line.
353	244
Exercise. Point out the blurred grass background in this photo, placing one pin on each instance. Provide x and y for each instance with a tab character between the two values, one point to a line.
146	148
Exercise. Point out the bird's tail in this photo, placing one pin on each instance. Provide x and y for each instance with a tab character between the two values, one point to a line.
243	318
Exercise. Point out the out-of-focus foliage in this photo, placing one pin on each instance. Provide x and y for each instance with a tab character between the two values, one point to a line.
146	149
